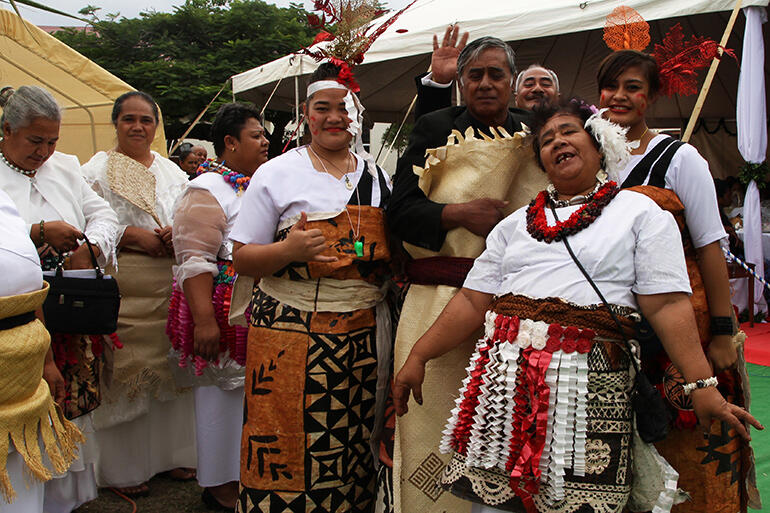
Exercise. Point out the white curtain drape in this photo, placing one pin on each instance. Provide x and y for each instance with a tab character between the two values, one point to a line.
751	115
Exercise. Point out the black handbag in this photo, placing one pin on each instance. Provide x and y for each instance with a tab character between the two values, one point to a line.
82	305
653	418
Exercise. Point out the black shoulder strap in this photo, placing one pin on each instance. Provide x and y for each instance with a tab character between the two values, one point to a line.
365	185
363	196
384	189
658	173
640	172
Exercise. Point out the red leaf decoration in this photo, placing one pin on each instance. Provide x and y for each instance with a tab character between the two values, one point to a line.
322	36
679	61
314	20
625	29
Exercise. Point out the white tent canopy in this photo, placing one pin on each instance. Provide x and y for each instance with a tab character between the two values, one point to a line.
564	35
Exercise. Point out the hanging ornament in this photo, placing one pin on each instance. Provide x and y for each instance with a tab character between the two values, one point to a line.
625	29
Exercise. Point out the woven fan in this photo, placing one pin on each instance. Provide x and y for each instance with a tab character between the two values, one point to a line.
133	182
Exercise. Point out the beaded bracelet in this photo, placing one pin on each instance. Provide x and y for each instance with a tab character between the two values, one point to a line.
42	232
701	383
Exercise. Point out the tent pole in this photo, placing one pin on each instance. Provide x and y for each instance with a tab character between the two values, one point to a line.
395	137
710	76
192	125
296	98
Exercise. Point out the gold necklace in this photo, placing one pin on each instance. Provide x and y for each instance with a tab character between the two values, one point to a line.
638	142
358	246
348	183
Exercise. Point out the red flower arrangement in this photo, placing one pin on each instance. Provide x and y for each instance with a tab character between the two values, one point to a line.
537	224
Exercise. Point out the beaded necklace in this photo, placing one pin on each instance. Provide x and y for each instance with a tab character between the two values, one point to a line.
537	224
238	181
29	174
574	200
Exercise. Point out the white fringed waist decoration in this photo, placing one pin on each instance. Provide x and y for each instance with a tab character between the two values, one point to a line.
525	377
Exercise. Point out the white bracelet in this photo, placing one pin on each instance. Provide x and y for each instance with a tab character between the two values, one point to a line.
701	383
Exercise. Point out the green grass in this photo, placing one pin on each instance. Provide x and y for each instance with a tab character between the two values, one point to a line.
759	378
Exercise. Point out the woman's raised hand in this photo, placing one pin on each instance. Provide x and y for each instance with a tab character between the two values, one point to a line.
710	405
409	379
61	236
306	245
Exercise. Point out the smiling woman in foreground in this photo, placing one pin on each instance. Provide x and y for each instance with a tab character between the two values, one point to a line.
543	420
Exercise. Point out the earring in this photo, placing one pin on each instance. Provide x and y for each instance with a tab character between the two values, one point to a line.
232	149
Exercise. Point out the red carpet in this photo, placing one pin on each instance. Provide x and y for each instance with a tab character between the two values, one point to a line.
757	348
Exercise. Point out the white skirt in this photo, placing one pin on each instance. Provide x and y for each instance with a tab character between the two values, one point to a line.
29	492
77	486
218	425
131	452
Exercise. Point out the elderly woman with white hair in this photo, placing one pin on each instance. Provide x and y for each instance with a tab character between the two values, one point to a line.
60	210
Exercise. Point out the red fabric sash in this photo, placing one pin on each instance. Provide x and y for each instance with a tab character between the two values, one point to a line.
439	270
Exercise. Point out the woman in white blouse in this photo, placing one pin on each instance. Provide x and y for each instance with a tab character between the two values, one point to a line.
145	425
543	420
59	208
211	353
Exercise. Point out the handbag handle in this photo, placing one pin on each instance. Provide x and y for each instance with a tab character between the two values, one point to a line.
99	273
601	296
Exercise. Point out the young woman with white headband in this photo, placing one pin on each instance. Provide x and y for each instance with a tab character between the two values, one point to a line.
312	233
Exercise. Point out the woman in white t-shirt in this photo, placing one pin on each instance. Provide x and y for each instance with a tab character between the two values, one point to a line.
543	420
311	229
629	83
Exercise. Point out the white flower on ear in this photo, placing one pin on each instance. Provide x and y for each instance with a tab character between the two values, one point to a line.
613	145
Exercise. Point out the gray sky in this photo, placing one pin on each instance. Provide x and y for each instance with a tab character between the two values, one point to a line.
127	8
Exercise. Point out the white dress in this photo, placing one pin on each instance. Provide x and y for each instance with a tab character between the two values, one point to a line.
59	192
152	430
203	219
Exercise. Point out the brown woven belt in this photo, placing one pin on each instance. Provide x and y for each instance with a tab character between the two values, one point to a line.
557	311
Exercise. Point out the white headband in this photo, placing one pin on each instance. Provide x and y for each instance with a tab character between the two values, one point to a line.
355	111
323	84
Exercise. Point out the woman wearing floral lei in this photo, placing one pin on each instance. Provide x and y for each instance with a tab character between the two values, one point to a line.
543	420
211	353
675	175
312	234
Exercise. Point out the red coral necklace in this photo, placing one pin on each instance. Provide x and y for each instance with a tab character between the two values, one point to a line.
537	224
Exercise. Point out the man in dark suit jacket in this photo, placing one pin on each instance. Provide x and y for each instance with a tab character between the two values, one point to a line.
485	71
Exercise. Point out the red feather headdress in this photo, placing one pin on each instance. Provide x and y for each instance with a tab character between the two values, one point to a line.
349	40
